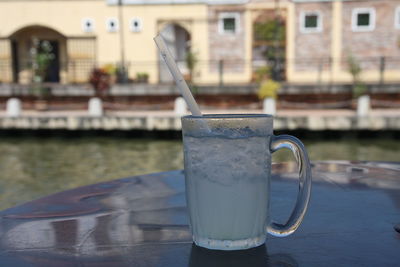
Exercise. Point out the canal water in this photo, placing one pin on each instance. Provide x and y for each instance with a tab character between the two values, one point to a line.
32	167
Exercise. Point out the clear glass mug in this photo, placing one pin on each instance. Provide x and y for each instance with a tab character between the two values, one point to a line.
227	160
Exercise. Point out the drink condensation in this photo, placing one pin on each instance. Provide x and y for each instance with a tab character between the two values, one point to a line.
227	189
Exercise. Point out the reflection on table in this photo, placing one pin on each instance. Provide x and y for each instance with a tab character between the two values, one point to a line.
142	221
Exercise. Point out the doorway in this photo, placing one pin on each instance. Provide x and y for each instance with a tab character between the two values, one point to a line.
177	40
46	41
15	63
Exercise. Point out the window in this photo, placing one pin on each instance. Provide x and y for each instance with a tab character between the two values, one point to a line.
310	22
136	25
363	19
112	25
397	18
228	23
88	25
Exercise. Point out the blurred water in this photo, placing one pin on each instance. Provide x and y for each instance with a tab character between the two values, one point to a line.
33	167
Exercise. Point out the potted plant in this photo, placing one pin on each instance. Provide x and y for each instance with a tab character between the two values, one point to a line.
268	92
111	70
121	72
359	89
100	80
142	77
41	55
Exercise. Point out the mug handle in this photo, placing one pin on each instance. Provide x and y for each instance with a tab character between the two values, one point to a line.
303	197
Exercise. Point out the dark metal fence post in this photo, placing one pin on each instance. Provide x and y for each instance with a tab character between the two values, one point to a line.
382	70
330	62
221	72
320	68
122	70
74	69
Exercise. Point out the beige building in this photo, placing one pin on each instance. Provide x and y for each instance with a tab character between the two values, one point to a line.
87	33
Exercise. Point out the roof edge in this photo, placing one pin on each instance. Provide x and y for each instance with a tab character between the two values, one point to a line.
178	2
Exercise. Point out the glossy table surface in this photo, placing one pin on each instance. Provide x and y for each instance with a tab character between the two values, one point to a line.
142	221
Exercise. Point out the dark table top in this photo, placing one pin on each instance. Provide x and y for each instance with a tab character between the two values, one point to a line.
142	221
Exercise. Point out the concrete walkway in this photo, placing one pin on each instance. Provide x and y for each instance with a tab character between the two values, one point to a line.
334	119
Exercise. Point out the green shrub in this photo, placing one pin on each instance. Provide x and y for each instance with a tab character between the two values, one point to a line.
191	60
359	89
269	89
271	30
354	68
110	69
142	76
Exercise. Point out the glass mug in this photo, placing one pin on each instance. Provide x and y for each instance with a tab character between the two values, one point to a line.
227	160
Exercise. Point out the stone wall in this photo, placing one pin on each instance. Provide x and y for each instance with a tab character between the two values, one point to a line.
227	47
173	122
312	50
280	2
369	46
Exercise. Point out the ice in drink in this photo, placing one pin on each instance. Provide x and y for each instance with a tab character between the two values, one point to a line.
227	187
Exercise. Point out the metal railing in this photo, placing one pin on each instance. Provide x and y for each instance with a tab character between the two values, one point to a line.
319	70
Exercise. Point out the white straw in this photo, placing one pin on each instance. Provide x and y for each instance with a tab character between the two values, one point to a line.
180	82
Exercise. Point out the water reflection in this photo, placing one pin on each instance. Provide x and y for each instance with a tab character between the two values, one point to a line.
255	257
31	168
35	167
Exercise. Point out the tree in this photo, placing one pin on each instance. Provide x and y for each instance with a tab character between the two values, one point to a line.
271	34
41	55
354	67
191	62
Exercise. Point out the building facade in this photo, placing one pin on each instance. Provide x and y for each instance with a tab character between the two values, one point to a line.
88	33
324	36
320	36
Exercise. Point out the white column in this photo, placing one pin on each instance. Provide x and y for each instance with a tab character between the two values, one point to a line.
13	107
180	107
363	105
95	107
269	106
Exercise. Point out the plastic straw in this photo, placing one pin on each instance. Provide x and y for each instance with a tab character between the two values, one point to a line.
180	82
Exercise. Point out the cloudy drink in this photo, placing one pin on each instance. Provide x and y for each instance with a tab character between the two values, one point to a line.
226	171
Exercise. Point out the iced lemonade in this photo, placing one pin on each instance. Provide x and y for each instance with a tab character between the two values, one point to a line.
227	187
